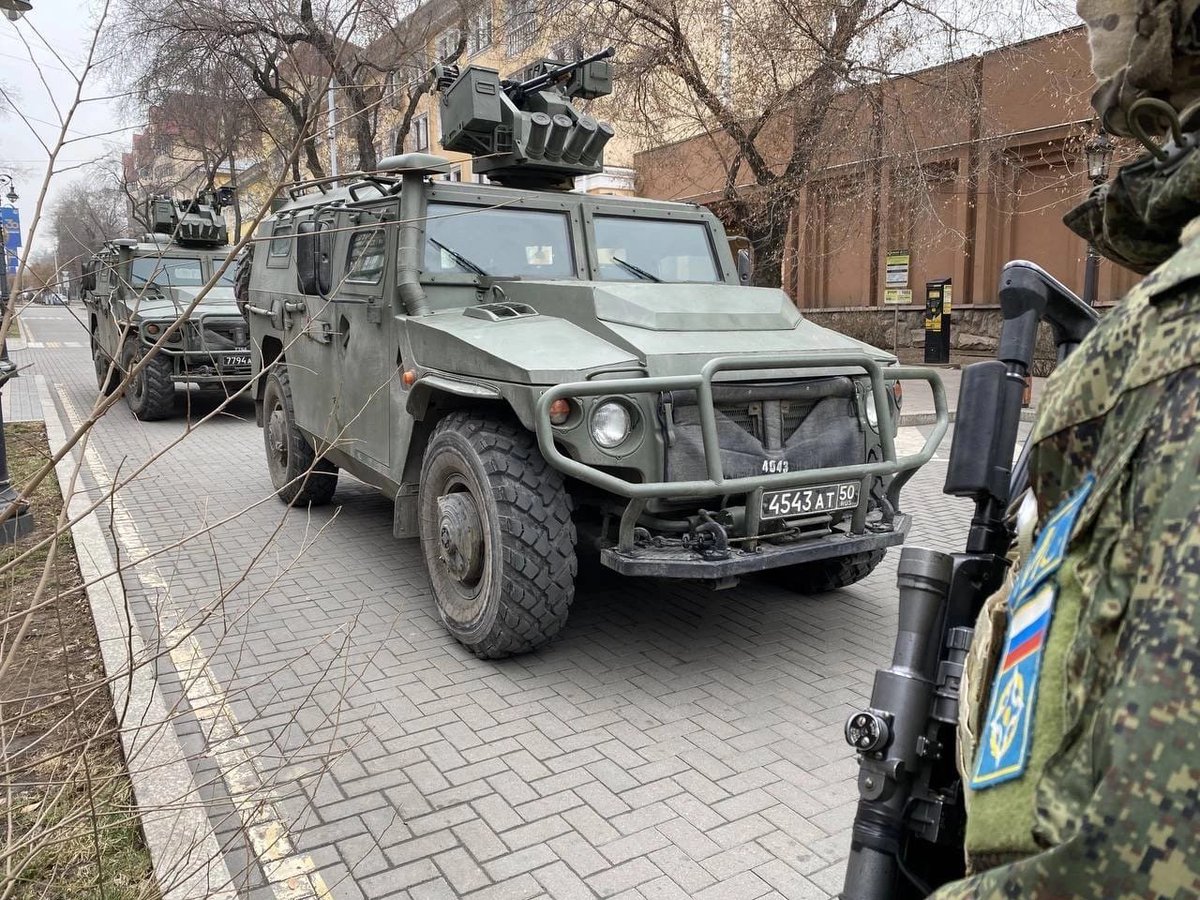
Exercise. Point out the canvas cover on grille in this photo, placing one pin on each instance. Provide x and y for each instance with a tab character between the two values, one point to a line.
809	424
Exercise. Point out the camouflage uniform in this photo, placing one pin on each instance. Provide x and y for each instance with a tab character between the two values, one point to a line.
1108	803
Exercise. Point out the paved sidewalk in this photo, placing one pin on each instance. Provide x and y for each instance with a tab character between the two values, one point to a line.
20	395
674	742
918	406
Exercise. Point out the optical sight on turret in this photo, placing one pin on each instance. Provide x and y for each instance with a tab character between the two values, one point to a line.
524	131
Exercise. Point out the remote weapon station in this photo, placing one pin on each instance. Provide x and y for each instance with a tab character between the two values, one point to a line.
530	372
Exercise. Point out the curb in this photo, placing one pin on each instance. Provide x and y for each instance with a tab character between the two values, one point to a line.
187	859
927	418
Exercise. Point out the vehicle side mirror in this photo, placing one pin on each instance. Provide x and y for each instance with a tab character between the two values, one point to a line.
87	277
745	266
314	246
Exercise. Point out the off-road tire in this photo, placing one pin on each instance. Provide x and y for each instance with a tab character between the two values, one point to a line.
151	393
108	376
299	477
823	575
523	593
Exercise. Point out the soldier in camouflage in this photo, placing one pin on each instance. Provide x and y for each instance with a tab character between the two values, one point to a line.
1081	726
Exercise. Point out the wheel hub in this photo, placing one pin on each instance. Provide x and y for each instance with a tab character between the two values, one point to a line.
277	435
460	536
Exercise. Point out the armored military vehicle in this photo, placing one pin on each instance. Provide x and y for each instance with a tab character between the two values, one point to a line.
527	371
136	290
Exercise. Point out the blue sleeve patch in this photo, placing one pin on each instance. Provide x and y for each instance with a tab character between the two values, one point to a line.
1007	732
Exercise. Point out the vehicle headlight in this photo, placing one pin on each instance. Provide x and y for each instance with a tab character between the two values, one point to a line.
872	412
611	424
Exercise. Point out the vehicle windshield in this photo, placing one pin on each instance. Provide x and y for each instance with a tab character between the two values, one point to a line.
476	240
635	249
166	271
228	276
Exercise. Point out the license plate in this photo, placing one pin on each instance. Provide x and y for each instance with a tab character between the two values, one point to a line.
810	501
237	361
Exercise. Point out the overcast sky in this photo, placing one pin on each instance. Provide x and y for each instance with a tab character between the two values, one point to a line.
66	26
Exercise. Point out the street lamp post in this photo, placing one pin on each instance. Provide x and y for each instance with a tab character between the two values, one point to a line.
1098	153
16	520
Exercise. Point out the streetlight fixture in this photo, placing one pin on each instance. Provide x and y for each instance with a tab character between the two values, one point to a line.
1098	152
16	521
14	9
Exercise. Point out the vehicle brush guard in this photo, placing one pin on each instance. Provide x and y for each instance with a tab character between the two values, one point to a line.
640	493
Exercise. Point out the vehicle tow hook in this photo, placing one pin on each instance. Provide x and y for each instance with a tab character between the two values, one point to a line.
708	539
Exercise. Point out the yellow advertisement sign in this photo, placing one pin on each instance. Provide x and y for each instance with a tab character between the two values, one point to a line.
897	297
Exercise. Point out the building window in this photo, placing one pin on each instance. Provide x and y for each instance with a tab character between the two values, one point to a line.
455	174
479	31
567	51
447	43
420	132
520	26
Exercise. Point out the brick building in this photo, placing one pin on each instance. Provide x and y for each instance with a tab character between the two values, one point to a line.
951	171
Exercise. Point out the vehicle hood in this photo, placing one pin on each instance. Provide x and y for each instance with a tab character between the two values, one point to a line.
170	302
580	328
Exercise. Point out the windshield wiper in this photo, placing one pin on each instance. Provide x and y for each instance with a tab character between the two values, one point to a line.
457	257
640	273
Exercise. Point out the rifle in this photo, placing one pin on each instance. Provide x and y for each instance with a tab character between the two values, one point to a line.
908	830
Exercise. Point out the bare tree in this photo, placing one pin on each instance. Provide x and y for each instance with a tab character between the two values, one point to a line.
763	80
278	51
84	215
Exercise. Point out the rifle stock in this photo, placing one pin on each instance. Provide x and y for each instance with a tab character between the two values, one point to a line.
908	829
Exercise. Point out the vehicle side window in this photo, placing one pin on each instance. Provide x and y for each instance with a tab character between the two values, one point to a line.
281	245
365	259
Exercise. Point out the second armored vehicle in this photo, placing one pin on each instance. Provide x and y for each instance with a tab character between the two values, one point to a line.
135	290
524	370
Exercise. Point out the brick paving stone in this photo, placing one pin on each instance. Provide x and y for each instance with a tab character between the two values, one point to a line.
627	875
561	883
680	730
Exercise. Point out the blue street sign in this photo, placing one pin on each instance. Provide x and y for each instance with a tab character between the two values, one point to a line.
10	220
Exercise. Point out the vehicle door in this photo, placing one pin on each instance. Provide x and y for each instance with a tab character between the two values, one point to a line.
106	300
308	323
365	364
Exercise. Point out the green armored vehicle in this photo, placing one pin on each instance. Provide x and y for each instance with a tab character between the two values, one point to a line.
135	290
528	372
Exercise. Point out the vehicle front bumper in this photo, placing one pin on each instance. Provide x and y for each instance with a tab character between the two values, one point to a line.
860	536
206	367
681	562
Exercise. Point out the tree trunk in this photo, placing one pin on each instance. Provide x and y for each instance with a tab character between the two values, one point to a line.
237	201
768	248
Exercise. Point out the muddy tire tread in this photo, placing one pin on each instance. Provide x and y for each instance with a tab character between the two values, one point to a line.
317	482
537	534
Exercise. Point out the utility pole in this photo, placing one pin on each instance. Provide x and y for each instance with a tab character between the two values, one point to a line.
1098	153
16	521
332	113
